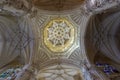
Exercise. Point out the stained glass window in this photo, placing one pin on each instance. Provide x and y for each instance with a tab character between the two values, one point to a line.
10	73
107	68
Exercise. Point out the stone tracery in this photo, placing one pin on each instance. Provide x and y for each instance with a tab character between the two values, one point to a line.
59	33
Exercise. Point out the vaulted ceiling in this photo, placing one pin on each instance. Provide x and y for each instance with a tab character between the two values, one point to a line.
57	5
102	34
31	11
93	22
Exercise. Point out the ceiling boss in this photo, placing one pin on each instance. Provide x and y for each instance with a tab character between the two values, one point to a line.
59	35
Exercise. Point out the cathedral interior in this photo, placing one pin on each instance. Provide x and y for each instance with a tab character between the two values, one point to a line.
59	39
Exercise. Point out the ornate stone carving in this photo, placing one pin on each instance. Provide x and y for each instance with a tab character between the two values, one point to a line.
59	35
98	6
59	72
57	5
18	4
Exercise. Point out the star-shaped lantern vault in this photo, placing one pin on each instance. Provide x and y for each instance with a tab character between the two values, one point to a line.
59	35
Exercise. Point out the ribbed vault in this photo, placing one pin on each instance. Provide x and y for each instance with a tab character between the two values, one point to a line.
22	26
101	33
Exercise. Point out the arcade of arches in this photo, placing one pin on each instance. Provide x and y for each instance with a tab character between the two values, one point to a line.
59	40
